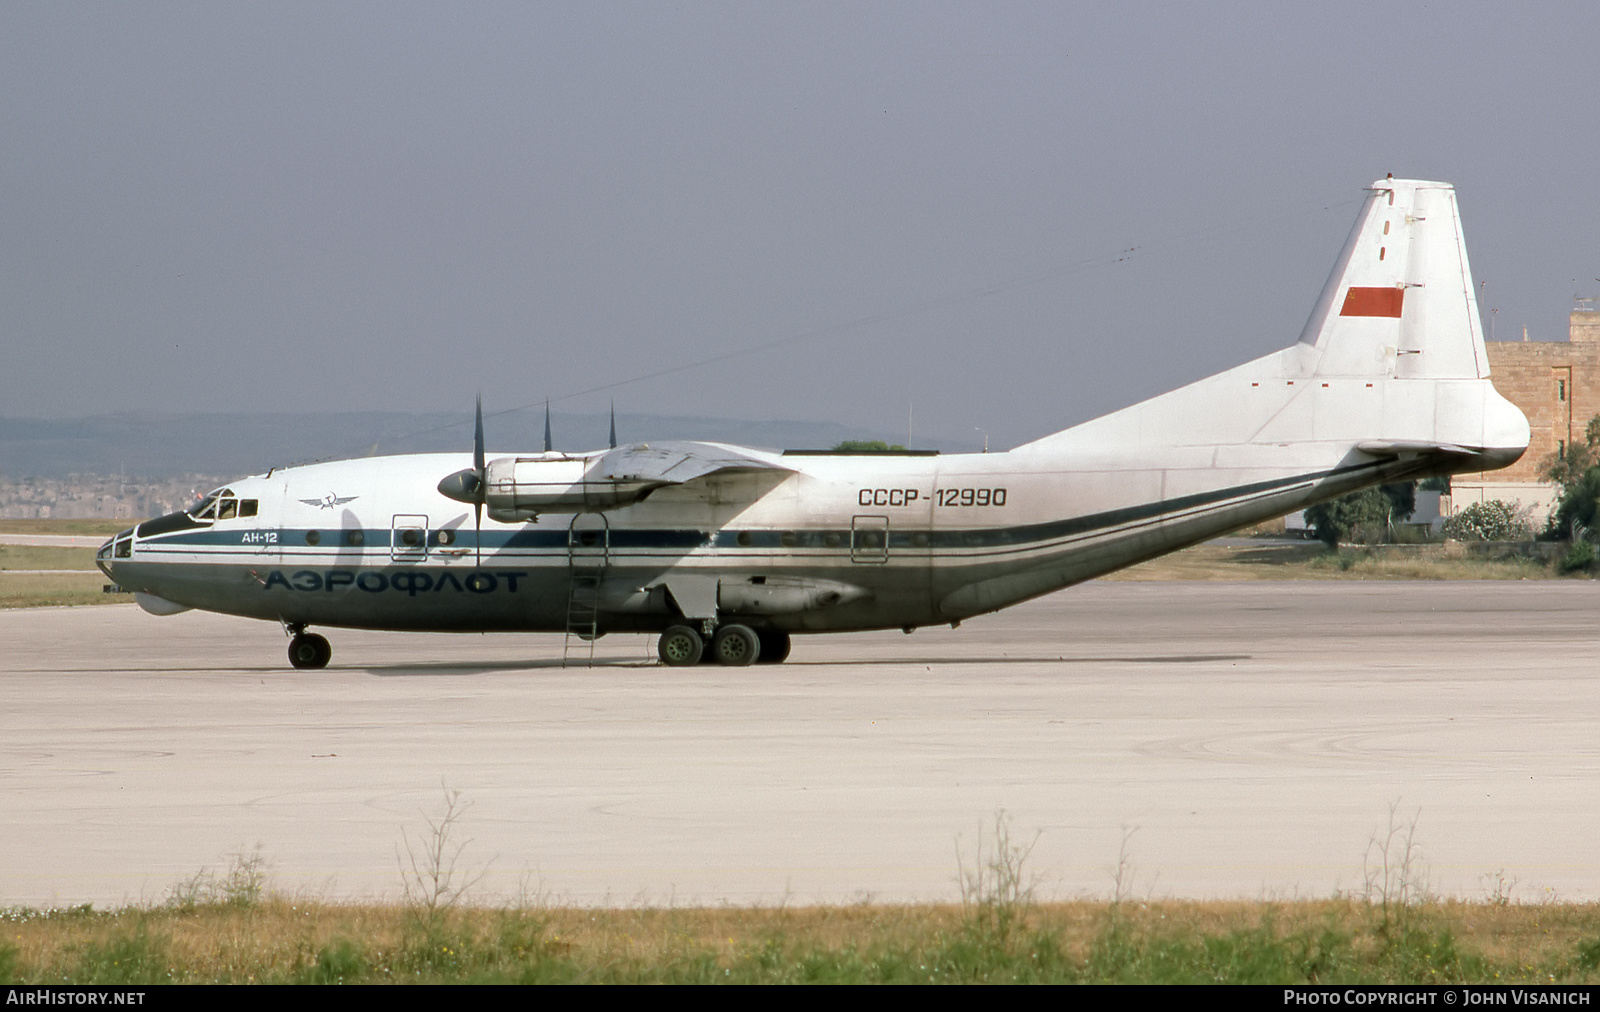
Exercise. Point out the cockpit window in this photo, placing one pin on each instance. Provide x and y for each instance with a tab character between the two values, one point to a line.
221	505
206	507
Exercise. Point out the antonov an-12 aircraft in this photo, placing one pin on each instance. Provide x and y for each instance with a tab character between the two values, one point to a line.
726	552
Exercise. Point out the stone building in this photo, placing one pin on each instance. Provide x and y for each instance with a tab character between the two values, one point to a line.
1557	385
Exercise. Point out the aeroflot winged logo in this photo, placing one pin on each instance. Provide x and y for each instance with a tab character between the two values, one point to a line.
330	500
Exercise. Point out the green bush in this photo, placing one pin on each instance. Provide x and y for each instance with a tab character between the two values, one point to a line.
1494	520
1576	471
337	962
1366	515
1580	556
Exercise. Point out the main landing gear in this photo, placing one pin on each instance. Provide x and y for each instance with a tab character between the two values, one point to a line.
307	650
733	644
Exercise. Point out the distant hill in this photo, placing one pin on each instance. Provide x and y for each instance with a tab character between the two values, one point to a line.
150	445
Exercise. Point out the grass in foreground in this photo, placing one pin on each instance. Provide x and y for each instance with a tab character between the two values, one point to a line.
25	590
23	586
280	940
46	557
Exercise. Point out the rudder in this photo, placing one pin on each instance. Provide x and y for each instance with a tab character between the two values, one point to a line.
1400	300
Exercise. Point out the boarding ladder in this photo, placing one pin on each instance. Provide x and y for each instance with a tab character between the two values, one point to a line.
588	551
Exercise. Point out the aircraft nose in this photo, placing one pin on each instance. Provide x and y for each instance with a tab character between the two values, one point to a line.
119	547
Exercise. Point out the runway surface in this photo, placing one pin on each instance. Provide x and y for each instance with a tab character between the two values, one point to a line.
1229	739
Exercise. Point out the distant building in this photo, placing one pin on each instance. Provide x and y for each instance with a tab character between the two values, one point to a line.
1557	385
81	496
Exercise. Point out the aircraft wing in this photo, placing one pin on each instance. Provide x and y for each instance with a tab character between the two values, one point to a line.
518	489
675	462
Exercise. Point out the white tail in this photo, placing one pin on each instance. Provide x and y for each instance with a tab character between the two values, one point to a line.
1400	301
1391	357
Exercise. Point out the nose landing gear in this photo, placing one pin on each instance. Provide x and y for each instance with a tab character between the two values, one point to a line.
307	650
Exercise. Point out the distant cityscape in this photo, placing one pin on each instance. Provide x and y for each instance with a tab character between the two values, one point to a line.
92	496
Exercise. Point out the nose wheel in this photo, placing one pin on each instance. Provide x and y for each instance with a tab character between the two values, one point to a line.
308	650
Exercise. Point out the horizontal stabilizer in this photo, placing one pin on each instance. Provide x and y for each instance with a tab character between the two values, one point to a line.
1395	447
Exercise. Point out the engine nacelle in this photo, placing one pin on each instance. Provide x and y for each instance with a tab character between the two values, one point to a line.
521	488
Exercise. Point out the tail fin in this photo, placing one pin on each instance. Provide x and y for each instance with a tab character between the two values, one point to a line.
1394	348
1400	300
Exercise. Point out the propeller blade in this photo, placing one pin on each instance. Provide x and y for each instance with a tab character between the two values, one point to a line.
477	441
548	446
470	484
613	425
479	470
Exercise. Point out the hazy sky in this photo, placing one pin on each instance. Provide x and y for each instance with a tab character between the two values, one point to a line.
1011	216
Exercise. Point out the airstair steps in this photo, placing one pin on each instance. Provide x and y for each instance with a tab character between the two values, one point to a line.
583	612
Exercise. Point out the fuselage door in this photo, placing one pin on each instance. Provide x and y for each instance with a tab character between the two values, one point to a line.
408	538
869	539
588	541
